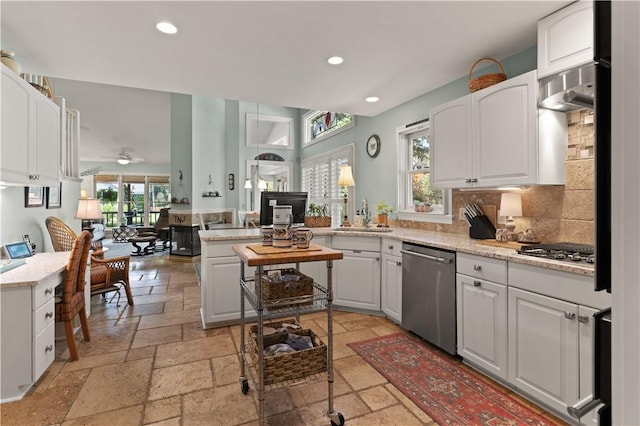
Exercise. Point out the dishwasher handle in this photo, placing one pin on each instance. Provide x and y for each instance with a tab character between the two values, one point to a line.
426	256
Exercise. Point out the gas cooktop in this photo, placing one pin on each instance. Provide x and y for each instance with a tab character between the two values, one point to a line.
573	252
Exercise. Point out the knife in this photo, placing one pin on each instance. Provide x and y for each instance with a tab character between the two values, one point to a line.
479	211
469	210
466	215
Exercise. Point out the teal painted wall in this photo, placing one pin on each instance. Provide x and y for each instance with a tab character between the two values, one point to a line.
376	179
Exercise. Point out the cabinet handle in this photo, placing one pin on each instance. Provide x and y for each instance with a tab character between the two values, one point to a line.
570	315
48	315
48	290
467	181
477	283
390	247
477	267
474	180
583	319
356	251
398	263
49	348
377	259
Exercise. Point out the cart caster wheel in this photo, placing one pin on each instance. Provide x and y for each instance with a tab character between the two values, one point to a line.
340	420
245	387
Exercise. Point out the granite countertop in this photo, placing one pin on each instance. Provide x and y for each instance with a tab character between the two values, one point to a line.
36	269
454	242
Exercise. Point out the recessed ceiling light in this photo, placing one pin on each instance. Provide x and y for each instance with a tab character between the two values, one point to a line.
372	99
166	27
335	60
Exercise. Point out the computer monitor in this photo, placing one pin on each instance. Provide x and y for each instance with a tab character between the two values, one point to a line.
297	201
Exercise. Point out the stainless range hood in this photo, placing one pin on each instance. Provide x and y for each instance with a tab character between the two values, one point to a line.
569	90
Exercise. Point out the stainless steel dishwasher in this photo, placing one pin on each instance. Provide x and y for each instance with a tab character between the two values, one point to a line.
429	294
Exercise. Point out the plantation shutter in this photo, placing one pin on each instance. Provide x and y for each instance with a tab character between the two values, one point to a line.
320	176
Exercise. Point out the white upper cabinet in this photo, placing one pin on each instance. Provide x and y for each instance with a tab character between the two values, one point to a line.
490	138
565	39
30	134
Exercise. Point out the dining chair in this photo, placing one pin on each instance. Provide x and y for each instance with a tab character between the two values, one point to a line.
107	275
71	302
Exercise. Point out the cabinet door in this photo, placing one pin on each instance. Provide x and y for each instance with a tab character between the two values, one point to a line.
44	162
565	39
15	128
543	348
392	287
451	151
505	132
586	330
221	290
482	324
357	283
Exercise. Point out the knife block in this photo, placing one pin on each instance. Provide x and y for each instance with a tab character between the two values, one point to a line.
482	228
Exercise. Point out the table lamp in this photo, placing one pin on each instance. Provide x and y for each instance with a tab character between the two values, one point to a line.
346	180
510	206
88	209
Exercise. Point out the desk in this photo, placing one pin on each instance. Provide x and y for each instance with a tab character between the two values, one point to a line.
28	321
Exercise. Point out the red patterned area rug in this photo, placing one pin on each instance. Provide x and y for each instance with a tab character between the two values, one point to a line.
440	386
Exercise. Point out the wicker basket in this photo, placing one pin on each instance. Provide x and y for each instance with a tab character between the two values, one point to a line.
488	79
292	365
317	221
297	284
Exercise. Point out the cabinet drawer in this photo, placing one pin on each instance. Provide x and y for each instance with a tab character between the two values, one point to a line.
482	267
43	316
44	292
43	350
223	248
345	242
392	247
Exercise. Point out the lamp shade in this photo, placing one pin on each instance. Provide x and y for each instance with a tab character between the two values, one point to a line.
346	177
89	209
511	204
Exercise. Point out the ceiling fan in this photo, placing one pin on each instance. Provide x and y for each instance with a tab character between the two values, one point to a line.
125	158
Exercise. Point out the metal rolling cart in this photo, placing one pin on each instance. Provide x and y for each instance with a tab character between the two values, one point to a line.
251	288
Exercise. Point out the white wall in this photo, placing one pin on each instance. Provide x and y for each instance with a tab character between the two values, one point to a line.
17	220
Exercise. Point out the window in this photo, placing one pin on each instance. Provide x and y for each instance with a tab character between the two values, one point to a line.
418	201
136	198
319	125
320	178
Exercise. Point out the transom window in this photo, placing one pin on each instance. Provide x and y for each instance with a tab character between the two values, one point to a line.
320	125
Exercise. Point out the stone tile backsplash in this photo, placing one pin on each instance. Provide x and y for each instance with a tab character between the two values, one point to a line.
555	213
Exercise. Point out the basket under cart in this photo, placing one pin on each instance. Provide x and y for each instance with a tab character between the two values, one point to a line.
319	297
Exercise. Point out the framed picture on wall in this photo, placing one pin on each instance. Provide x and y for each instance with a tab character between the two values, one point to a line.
33	196
54	196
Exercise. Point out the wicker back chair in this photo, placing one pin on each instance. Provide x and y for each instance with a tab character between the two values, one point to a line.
107	275
71	303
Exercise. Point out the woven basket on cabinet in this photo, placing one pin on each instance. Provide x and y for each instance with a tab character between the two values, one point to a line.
486	80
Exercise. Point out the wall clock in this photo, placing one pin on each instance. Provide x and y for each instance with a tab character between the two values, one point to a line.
373	146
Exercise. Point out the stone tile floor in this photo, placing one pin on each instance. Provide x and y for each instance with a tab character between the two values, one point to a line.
153	364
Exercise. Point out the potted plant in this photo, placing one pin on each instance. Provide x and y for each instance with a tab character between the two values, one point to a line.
383	209
317	216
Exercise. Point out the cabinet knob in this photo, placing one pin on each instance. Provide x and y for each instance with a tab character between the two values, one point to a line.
583	319
48	315
399	263
49	348
390	246
570	315
48	290
377	259
477	267
477	283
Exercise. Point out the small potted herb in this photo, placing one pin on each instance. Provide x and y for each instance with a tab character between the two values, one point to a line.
383	209
317	216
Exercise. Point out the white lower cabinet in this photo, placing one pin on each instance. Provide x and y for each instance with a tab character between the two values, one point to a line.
391	291
543	348
357	275
220	288
482	323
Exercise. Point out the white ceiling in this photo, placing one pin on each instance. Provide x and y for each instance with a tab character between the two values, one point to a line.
264	51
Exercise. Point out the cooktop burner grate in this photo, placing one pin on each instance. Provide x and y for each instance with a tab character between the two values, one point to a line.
562	251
